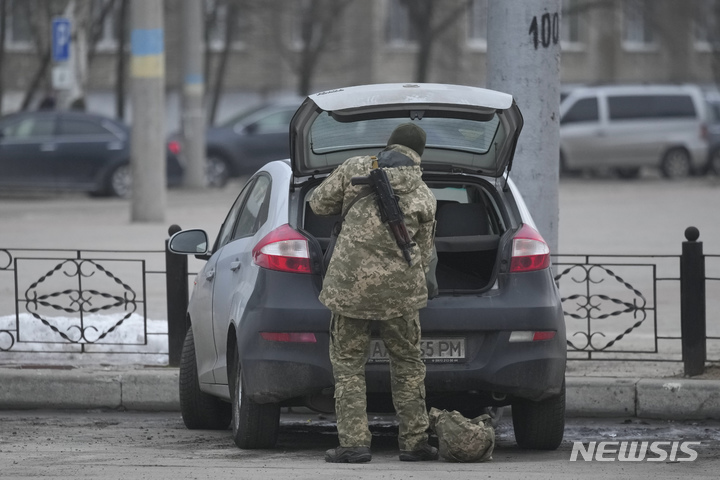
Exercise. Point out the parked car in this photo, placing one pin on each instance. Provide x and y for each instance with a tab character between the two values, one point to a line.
628	127
257	336
713	164
69	150
246	142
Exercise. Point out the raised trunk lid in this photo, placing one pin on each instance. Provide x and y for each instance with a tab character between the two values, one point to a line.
469	129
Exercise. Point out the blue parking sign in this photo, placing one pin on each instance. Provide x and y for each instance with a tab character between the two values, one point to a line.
61	39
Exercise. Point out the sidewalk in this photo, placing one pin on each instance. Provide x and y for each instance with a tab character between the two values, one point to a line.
156	388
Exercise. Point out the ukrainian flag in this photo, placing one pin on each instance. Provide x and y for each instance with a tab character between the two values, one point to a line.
148	57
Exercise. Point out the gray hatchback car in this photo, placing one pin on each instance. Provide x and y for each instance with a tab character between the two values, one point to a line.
257	337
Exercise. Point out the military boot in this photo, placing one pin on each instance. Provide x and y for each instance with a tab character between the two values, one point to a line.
422	453
348	455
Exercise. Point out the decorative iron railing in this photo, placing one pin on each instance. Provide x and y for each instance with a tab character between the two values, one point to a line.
60	302
70	302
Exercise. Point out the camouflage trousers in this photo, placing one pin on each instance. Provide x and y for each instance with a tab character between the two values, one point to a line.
349	345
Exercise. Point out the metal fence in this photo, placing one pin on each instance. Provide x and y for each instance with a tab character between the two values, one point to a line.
79	302
60	303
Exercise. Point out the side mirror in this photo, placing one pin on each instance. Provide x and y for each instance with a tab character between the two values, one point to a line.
189	242
251	129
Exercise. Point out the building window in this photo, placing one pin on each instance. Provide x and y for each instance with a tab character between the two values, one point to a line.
706	25
572	13
18	29
637	24
477	24
398	28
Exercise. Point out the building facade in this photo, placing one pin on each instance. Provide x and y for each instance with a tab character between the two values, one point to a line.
266	47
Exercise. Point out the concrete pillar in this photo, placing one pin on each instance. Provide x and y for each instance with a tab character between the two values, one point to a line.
193	85
147	71
523	59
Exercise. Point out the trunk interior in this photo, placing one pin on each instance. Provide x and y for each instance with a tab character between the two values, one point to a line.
467	237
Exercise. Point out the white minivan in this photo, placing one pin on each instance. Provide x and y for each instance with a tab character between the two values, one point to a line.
627	127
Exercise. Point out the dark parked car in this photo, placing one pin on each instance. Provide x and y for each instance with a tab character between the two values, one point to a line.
68	150
257	335
246	142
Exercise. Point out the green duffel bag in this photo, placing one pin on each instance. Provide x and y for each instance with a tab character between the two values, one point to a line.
462	439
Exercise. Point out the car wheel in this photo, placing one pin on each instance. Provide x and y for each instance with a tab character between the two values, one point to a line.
676	164
199	410
628	173
539	425
714	163
120	181
217	171
566	171
254	425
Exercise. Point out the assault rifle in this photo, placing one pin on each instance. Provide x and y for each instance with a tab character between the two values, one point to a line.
390	212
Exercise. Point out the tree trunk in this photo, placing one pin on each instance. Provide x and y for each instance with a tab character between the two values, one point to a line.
2	51
37	80
232	12
121	72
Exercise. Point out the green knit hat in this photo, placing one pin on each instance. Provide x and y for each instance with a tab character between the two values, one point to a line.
410	135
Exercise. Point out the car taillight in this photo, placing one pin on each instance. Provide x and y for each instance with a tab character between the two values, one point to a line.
529	251
283	249
174	147
704	134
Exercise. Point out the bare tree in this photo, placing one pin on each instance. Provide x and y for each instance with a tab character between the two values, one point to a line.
39	14
312	34
121	70
221	19
3	9
428	23
318	19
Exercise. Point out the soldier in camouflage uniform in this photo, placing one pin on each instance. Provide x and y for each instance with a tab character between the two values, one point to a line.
369	280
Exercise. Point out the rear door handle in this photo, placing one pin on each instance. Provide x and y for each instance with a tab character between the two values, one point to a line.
235	266
48	147
210	275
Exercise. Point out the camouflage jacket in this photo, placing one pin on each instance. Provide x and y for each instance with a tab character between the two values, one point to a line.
367	276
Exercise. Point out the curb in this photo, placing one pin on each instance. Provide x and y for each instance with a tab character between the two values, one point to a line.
151	389
661	398
156	389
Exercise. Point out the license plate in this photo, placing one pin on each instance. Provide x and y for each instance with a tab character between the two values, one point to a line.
434	350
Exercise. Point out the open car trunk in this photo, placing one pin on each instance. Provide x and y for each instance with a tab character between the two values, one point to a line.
470	224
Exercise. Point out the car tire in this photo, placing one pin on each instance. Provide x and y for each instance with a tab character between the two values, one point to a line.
676	164
217	170
539	425
628	173
566	171
714	163
254	425
200	411
119	182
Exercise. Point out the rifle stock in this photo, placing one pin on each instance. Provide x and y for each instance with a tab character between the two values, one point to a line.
390	211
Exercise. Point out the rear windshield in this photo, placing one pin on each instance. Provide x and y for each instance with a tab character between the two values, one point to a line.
328	135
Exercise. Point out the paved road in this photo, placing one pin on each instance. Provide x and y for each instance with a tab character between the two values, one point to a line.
111	445
607	216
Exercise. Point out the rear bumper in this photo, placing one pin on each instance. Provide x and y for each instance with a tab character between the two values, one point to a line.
279	371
